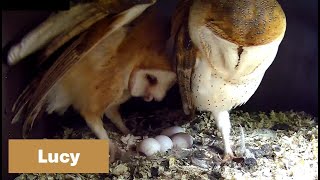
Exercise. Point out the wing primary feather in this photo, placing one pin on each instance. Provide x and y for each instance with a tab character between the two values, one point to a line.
65	37
56	27
21	103
46	31
28	123
18	114
26	93
185	57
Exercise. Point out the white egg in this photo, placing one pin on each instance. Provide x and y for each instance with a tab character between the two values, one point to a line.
165	142
182	140
172	131
149	146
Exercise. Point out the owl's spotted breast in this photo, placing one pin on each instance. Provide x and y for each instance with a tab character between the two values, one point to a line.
213	92
223	80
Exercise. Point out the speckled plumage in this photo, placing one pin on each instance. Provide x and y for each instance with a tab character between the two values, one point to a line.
222	50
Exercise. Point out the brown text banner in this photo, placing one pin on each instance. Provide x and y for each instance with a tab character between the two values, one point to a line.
58	156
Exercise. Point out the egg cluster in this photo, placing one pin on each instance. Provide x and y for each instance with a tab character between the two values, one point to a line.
173	137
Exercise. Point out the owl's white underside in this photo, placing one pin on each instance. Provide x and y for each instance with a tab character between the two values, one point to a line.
222	79
224	76
217	94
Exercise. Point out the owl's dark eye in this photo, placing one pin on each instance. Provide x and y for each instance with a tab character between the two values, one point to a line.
151	79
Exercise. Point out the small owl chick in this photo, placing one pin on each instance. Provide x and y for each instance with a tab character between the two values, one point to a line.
222	50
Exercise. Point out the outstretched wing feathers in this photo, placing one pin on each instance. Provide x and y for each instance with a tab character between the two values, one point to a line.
55	24
62	26
65	37
33	99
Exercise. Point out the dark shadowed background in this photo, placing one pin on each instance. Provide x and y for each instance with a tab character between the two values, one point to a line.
290	83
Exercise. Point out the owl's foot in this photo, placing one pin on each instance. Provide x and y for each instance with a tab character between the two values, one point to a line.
117	154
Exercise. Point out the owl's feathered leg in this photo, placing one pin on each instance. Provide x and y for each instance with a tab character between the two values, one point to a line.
223	123
113	114
96	125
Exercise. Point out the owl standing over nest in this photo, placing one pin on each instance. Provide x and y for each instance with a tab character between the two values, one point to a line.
222	50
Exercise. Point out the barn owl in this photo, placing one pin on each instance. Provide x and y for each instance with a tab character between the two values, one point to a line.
222	50
105	66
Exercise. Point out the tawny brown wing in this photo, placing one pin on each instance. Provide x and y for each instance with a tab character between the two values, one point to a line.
179	16
62	26
32	100
103	9
185	53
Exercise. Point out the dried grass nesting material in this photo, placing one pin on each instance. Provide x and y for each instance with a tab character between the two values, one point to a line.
279	145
